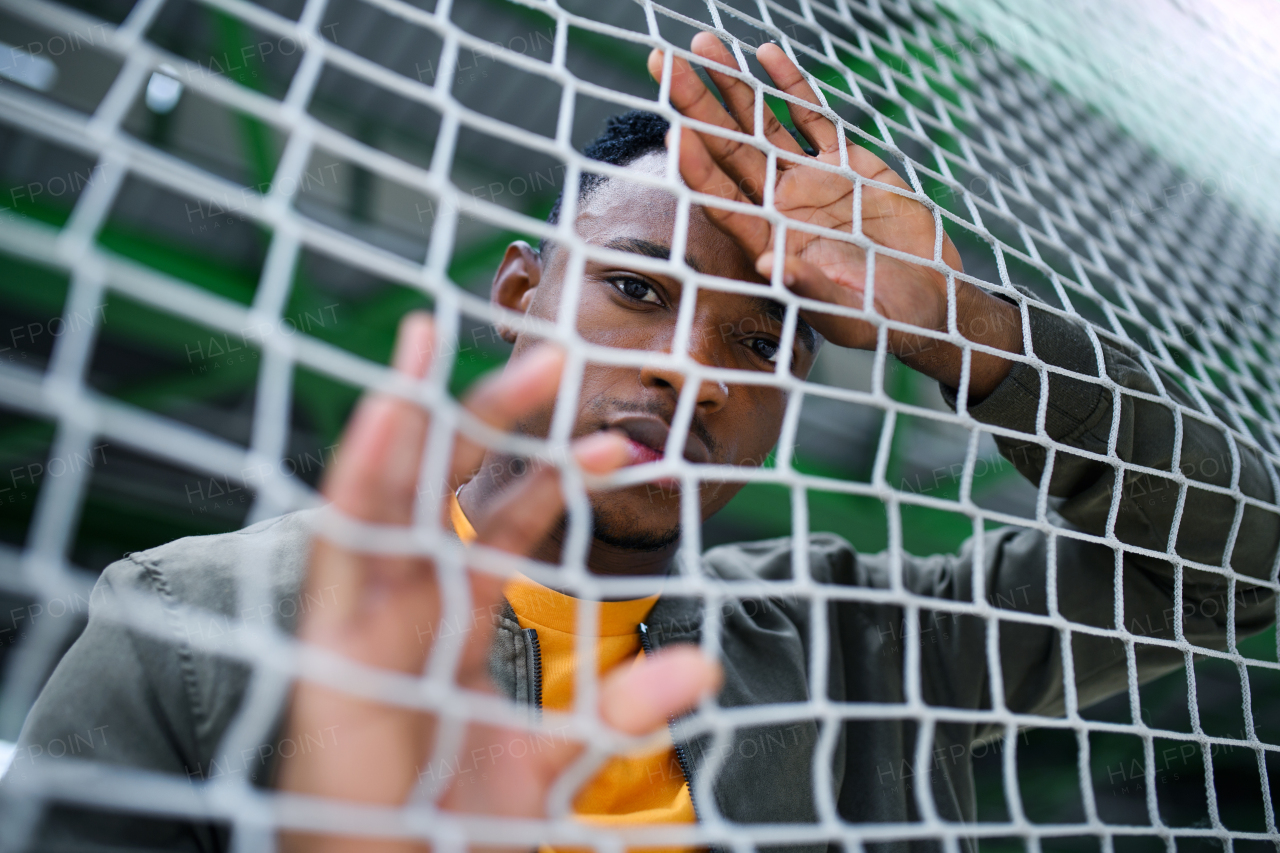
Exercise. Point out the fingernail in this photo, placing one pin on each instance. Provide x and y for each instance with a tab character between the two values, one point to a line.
415	344
670	683
601	453
544	359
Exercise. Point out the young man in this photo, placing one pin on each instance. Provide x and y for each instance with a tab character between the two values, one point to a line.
180	704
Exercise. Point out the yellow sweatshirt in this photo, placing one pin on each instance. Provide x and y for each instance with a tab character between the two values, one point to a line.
646	788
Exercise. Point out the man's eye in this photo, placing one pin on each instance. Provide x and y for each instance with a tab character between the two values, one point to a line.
765	348
636	289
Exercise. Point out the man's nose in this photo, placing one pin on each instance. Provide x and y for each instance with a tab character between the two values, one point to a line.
712	395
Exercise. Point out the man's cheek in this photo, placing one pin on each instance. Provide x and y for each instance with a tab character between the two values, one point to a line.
603	322
757	419
537	423
716	495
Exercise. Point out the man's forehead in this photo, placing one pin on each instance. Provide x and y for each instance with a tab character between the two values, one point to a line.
635	217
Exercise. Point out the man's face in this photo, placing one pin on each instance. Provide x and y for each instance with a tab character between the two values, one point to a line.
625	307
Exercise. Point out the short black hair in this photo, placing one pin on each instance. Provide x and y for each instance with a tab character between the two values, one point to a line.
626	138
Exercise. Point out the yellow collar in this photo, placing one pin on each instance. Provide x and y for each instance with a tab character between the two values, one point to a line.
548	608
461	524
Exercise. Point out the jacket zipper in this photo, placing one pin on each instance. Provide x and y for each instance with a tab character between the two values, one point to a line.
532	636
682	756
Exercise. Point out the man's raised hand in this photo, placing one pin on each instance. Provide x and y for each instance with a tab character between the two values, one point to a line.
824	267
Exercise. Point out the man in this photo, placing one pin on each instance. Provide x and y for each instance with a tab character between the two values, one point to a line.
360	731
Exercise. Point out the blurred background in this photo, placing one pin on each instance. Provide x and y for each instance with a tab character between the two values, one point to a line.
1060	118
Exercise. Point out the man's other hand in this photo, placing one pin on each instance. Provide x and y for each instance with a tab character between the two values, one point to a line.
384	611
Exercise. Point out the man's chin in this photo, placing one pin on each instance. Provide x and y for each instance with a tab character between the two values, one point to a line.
629	519
636	540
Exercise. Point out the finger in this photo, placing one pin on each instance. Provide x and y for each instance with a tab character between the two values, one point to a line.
375	473
814	126
369	609
738	96
808	280
517	521
637	700
747	164
502	398
415	339
701	172
374	479
640	699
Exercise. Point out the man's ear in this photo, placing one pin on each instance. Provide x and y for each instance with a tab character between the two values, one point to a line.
515	282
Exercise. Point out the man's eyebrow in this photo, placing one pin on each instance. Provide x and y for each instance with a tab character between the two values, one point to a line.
649	249
778	311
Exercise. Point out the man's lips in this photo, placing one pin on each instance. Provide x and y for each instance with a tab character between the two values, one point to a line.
648	437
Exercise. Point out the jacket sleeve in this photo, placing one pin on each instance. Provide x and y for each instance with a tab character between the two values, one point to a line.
1164	536
146	695
118	699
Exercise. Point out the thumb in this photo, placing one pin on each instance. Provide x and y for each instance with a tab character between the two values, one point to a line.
524	765
805	279
639	699
809	281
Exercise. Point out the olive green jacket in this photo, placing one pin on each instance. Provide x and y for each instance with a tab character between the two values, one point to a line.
164	700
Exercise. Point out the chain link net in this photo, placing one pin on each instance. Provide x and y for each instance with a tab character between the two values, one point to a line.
1042	194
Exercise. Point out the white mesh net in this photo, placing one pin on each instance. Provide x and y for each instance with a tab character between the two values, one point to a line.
383	148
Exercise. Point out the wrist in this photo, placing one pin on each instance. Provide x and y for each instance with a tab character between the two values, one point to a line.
993	322
983	319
